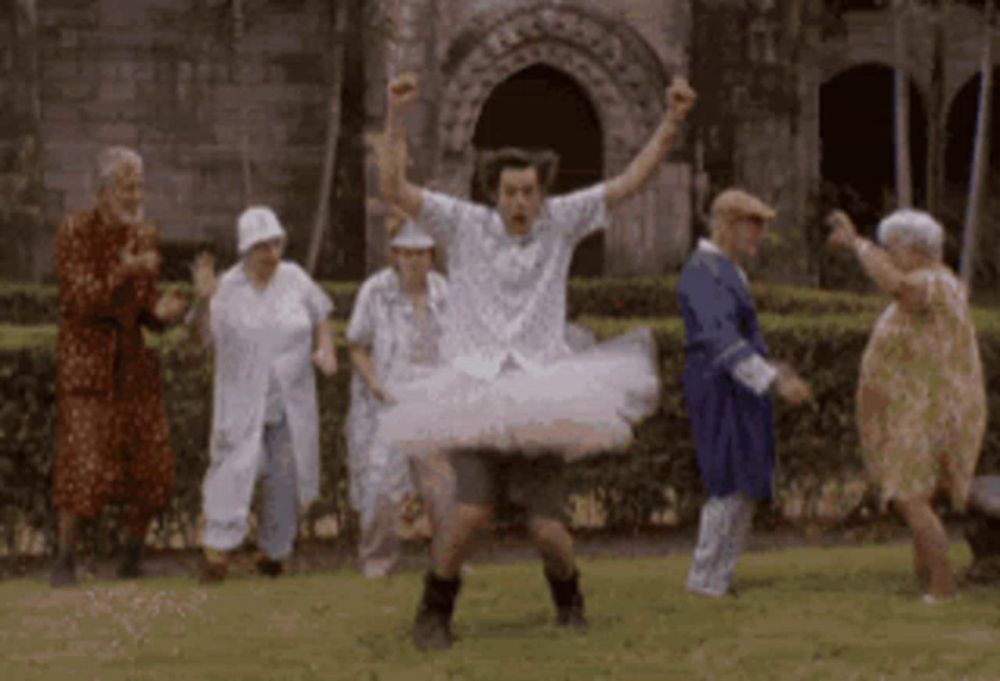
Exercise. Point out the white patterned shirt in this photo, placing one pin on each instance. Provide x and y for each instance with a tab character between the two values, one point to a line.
383	319
507	300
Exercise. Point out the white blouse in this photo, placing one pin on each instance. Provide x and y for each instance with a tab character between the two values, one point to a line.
507	299
401	350
383	320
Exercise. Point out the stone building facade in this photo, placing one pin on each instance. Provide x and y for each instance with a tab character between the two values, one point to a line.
228	100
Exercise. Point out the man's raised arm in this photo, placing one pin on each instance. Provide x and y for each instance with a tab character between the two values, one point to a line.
396	188
680	99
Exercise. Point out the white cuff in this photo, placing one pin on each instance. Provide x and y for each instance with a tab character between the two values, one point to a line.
755	373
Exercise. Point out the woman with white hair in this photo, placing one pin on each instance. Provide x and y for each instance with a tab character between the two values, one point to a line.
921	404
268	323
392	340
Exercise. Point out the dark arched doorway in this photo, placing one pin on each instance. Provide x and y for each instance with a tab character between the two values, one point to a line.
857	122
962	118
541	107
961	134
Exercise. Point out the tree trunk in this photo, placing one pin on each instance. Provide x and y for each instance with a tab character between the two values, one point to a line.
238	18
24	203
332	135
981	153
904	182
345	260
937	121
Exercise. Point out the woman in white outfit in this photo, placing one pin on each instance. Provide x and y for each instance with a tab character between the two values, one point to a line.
393	340
268	324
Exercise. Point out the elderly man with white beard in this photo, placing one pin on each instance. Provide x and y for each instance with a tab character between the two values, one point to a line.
113	441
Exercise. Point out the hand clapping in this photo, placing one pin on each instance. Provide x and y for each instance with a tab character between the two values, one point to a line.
203	276
170	307
133	262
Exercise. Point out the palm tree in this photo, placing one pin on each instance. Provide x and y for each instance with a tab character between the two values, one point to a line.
904	181
332	135
936	134
980	157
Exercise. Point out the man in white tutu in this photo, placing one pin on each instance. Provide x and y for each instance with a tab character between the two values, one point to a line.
513	403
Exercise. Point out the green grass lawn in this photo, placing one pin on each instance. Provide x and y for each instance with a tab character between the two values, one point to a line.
834	613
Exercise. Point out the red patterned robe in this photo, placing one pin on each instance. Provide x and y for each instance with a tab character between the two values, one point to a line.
113	440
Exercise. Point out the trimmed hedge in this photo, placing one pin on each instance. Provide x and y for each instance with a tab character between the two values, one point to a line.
819	478
639	297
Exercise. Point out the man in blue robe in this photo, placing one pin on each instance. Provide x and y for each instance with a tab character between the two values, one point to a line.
728	382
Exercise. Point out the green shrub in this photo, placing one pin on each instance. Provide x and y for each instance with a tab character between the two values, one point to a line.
819	476
639	297
32	304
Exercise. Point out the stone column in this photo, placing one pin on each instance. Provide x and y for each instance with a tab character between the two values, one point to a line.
21	222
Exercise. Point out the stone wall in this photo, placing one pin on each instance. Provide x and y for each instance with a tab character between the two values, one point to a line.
228	100
20	170
228	107
621	54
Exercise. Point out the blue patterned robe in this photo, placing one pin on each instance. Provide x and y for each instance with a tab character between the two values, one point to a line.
732	425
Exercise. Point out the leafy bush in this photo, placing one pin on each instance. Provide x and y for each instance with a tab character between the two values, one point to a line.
637	297
819	476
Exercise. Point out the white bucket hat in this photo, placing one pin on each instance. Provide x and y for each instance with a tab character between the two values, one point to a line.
412	238
256	224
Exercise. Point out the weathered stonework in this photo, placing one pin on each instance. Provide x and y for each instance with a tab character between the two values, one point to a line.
227	100
611	61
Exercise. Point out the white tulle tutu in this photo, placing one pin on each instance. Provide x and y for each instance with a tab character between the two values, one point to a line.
578	406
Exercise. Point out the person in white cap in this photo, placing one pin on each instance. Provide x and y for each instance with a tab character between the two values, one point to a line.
268	323
392	340
728	382
515	402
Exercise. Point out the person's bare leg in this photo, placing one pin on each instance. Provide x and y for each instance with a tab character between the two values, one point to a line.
432	627
435	483
554	544
930	547
459	534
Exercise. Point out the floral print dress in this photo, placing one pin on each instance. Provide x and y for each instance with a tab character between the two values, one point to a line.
921	404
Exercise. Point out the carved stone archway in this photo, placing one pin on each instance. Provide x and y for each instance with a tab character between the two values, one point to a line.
617	70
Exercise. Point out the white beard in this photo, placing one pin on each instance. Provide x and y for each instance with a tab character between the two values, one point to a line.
131	217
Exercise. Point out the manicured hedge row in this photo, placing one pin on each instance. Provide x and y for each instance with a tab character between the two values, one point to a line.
641	297
819	476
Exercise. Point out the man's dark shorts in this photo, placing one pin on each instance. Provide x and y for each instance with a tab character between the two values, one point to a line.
537	483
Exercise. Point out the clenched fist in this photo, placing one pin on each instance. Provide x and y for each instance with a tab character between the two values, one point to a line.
680	98
403	89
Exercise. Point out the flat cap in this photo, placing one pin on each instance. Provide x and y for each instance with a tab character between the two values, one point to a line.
737	203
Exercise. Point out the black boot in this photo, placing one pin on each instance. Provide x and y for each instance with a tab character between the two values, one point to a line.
568	600
64	567
131	565
269	568
432	628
